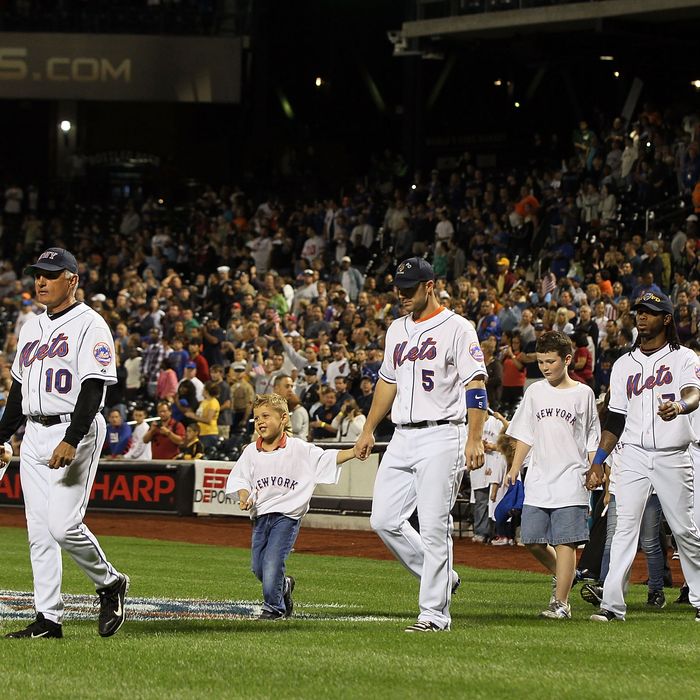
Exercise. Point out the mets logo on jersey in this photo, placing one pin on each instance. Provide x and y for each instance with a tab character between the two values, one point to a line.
635	385
102	354
475	352
697	371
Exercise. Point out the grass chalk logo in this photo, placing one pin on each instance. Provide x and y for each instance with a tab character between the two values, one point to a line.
102	353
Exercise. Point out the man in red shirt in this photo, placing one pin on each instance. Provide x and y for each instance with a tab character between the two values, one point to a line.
166	434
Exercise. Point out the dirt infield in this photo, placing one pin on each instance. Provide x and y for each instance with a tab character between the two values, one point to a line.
235	532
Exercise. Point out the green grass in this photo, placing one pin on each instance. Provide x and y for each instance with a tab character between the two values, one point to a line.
497	648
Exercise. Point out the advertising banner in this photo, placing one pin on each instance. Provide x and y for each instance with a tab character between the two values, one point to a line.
120	67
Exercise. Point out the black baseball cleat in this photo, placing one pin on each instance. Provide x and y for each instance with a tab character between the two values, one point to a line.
270	615
697	616
425	626
683	596
112	608
592	594
287	597
40	628
606	616
456	585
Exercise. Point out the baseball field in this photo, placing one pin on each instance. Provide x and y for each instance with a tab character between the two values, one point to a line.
191	633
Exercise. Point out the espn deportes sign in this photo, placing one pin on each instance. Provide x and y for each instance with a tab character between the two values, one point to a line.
119	485
120	67
209	496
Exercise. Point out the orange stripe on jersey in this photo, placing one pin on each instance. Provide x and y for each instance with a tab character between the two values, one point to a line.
429	316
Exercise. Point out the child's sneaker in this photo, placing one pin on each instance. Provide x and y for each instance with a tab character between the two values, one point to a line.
479	539
557	611
500	541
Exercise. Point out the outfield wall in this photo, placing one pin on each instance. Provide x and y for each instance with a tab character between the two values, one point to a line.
198	487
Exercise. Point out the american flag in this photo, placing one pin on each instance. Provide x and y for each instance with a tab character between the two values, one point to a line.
548	283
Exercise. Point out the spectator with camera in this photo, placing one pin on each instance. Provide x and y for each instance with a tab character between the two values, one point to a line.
165	435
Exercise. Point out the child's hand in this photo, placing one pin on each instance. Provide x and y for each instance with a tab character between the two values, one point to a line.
511	477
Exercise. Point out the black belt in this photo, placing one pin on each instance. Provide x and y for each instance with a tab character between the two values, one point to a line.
47	421
429	423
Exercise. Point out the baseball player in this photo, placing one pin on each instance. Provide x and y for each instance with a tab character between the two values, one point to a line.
431	355
64	362
653	388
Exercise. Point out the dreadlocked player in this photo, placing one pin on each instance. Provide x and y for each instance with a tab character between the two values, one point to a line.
652	389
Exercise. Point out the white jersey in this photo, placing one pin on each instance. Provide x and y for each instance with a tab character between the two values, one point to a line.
562	427
431	361
283	481
56	355
480	478
639	382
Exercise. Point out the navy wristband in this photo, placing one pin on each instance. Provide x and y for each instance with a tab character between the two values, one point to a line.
683	407
600	456
476	398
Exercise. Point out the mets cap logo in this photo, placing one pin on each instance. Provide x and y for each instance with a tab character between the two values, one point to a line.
401	269
102	353
475	352
649	296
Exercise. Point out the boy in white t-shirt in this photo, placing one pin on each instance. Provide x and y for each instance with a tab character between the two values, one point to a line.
274	479
558	420
139	449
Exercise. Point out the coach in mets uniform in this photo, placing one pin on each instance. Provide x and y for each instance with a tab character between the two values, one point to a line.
430	356
64	361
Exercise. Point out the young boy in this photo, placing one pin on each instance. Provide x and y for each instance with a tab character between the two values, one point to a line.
557	419
192	447
118	436
275	478
139	449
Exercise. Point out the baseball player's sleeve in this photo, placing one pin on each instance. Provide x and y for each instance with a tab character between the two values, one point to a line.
468	357
96	356
241	476
690	373
521	427
618	388
13	417
325	464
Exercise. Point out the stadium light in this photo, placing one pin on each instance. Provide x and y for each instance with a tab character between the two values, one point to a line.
65	126
498	83
319	81
696	84
517	105
607	58
616	74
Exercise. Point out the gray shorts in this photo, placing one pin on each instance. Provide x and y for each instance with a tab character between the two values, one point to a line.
567	525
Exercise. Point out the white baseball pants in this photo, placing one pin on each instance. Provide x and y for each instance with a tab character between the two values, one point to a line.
422	468
55	501
670	474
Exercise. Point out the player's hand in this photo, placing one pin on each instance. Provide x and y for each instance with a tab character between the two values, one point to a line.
6	455
594	476
363	445
474	454
668	410
511	477
62	456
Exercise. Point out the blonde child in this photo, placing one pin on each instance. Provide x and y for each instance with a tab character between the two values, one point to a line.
274	479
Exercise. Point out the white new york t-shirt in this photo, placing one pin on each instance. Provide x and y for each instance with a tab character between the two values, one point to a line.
283	481
562	427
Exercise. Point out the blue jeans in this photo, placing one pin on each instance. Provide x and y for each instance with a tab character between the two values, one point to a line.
208	440
648	541
274	536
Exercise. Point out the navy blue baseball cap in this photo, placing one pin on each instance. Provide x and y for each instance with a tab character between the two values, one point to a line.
412	272
53	260
654	301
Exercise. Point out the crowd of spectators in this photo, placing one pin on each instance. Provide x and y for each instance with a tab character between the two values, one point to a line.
213	302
